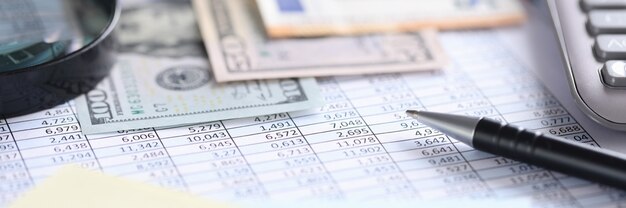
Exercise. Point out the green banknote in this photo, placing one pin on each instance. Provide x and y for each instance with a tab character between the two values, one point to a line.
163	78
146	91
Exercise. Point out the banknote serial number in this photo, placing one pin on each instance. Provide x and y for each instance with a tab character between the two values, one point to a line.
103	109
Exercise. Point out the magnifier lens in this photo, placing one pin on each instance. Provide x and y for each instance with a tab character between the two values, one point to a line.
39	31
52	41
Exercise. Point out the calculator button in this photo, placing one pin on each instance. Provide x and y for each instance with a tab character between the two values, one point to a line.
611	46
603	4
614	73
607	21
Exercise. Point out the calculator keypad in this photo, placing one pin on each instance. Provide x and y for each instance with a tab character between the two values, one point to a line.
610	46
607	22
614	73
602	4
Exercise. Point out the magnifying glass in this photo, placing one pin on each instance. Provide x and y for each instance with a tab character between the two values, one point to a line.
53	50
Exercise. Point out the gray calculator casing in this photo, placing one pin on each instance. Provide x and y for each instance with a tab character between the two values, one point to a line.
604	104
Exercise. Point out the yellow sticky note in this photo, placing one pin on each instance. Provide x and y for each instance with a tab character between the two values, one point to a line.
76	187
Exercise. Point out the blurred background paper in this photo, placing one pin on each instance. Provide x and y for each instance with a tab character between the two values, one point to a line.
73	186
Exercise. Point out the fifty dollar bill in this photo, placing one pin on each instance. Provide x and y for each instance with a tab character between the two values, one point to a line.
239	50
144	91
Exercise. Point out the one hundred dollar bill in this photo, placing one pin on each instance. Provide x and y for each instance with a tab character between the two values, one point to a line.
145	91
303	18
163	78
239	50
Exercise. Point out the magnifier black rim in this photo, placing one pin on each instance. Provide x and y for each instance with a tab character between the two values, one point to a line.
103	35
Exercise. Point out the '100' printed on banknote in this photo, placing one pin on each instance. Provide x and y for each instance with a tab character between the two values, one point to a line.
163	78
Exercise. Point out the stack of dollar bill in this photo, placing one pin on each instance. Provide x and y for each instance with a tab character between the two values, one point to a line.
248	39
171	72
163	78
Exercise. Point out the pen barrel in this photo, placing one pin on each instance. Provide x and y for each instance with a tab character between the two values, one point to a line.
551	152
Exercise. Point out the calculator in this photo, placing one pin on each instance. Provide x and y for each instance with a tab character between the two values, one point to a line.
592	35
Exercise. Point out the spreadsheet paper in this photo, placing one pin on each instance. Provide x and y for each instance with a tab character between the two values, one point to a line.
359	146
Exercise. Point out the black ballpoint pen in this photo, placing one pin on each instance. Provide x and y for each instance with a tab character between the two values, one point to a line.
535	148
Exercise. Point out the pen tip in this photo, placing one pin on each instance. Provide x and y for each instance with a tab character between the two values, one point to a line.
412	113
458	126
